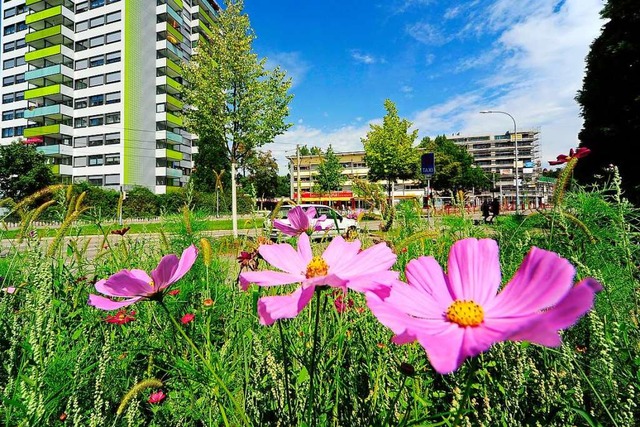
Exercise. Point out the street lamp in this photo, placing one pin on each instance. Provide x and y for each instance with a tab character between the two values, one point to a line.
515	133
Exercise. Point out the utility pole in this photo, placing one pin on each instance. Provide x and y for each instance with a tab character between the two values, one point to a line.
298	173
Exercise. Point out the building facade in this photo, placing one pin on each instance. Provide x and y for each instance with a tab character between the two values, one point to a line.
96	86
496	155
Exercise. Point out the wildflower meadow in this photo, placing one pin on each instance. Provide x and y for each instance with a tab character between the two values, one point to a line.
440	321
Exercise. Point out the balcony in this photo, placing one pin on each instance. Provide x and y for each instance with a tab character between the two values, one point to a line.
56	130
50	17
168	172
48	36
54	74
38	5
57	150
57	54
56	112
63	170
167	153
55	92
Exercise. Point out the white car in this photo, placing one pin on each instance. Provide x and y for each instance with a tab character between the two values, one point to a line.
334	224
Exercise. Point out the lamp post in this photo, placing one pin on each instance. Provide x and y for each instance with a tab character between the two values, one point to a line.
515	133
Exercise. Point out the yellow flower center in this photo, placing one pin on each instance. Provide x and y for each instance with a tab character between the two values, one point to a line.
152	284
317	267
465	313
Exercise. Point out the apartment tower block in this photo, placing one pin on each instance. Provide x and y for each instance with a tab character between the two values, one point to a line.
96	86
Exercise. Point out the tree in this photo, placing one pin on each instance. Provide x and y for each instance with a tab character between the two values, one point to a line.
233	99
389	151
263	173
23	171
330	177
284	186
210	159
610	96
455	167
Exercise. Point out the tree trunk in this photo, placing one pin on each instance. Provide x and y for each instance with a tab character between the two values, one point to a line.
234	200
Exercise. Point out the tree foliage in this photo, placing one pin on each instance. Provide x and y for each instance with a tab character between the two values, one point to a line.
330	177
455	167
23	171
306	151
263	173
610	97
389	151
209	161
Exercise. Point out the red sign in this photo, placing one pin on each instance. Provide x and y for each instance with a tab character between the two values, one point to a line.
34	140
309	195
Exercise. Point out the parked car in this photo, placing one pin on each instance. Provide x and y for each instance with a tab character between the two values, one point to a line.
334	224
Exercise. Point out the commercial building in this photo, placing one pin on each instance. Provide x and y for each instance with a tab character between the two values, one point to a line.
96	85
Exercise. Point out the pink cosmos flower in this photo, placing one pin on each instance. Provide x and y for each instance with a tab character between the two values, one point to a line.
187	318
300	222
136	285
342	265
578	154
9	290
458	315
157	397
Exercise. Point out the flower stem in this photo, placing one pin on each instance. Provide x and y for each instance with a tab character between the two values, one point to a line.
467	390
206	362
395	401
312	364
285	361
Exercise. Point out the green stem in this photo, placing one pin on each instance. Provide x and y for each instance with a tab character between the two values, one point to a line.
467	390
206	362
392	408
312	365
285	361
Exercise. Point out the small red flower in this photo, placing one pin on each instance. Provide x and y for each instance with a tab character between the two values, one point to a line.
578	154
174	292
63	416
187	318
157	397
121	232
342	304
121	317
207	302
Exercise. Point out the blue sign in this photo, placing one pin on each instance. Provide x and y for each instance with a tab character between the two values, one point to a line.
428	164
528	164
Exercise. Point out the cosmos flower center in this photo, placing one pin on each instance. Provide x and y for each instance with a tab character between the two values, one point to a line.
317	267
152	284
465	313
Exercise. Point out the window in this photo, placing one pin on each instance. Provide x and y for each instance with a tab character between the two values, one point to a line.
81	83
96	41
7	132
21	26
19	96
7	64
10	12
20	113
79	142
112	57
20	43
96	61
81	64
9	29
96	80
20	61
96	3
113	17
113	37
112	117
7	115
95	180
7	98
112	1
79	179
113	77
7	81
112	98
80	122
96	100
97	160
80	161
19	130
112	138
112	159
96	120
82	45
81	103
160	108
19	78
112	179
96	22
82	7
95	140
82	26
8	47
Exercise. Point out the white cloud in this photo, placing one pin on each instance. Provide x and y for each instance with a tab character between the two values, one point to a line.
426	33
292	63
365	58
452	12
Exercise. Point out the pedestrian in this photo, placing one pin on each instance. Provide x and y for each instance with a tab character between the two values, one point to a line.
484	208
495	209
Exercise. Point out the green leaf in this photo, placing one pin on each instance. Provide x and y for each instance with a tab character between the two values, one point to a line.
303	376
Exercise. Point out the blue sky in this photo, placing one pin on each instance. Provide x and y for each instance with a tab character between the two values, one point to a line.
441	62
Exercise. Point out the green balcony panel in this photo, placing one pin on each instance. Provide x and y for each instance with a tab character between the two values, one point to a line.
174	84
175	33
174	119
47	32
172	188
41	131
173	154
43	53
178	4
175	67
55	169
43	72
174	101
42	111
205	29
42	91
44	14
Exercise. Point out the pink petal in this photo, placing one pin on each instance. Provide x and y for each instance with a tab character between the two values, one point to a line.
161	275
474	270
298	218
425	273
187	259
311	212
416	301
540	282
328	280
340	254
377	282
268	278
285	228
126	284
376	258
304	249
273	308
9	290
566	313
108	304
284	257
